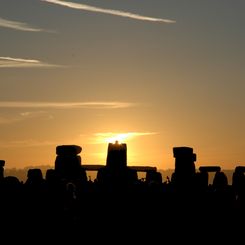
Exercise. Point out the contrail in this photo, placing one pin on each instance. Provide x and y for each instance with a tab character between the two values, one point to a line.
65	105
19	60
108	11
18	25
9	62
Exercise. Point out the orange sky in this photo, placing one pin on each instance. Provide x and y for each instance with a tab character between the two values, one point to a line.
165	73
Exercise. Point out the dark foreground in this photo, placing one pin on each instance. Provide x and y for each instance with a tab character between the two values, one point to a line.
118	207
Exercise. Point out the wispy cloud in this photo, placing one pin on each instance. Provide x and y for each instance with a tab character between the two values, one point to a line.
31	113
108	11
10	62
66	105
20	26
110	137
35	114
14	118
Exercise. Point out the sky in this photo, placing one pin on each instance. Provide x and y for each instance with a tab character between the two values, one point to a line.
154	74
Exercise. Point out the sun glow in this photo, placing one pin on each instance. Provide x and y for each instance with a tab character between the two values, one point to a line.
118	138
109	137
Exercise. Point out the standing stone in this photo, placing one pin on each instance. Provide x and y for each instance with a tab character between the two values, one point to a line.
68	162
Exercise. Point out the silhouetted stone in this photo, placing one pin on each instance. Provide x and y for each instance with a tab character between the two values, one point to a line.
153	177
201	180
182	151
116	179
184	166
220	181
69	150
240	169
2	163
68	163
68	166
238	185
61	203
35	174
116	155
238	178
12	182
210	169
116	175
50	175
35	181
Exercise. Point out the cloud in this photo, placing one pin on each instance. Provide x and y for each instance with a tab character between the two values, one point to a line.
31	113
29	107
108	11
66	105
9	119
9	62
109	137
35	114
18	25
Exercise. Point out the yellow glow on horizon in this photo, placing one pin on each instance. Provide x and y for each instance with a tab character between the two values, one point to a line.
109	137
120	138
